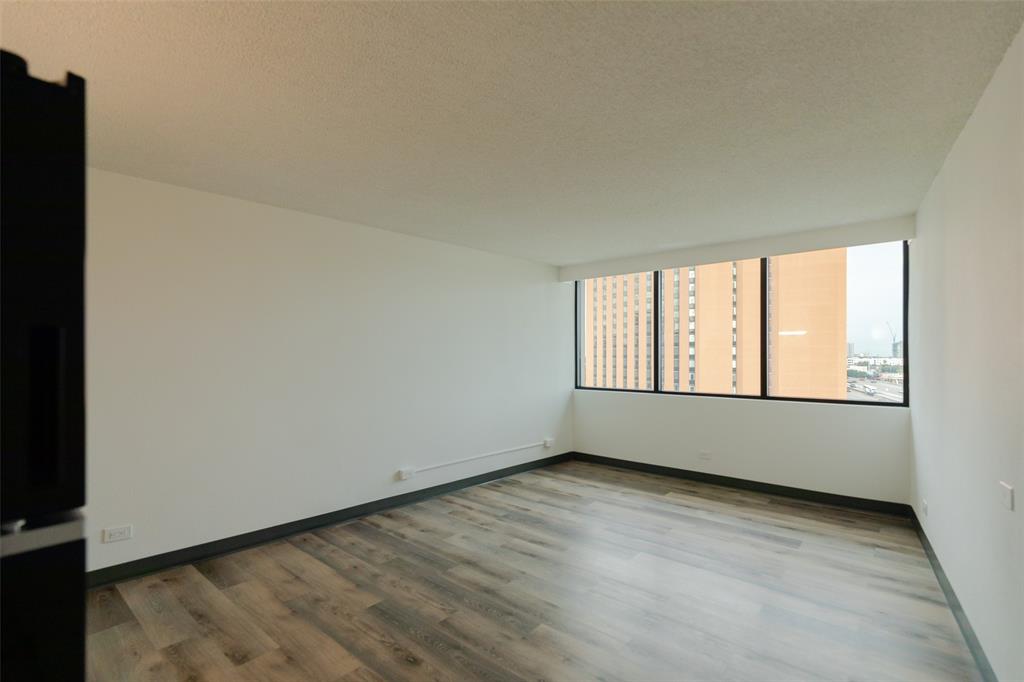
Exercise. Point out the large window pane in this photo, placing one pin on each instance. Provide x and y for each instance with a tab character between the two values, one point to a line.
616	331
835	324
710	328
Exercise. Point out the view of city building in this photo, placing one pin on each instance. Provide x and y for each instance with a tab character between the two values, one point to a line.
821	307
874	322
618	329
711	320
807	342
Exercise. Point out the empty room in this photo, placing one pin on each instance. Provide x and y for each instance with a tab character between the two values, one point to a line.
520	341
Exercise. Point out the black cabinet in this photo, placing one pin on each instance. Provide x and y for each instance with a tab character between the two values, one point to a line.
42	375
42	183
42	620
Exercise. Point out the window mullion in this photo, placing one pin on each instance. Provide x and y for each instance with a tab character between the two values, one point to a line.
764	327
656	313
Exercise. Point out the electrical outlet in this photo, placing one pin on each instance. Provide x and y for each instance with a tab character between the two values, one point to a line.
548	442
406	473
924	506
704	455
118	533
1007	493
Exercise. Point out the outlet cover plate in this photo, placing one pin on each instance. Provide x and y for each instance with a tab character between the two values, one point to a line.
118	533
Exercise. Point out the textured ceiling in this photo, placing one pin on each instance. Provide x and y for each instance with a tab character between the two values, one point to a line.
560	132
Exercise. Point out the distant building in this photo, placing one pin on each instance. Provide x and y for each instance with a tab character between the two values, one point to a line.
618	328
807	351
868	361
849	349
897	349
710	322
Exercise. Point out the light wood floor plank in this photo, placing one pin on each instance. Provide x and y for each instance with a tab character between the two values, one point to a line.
319	656
123	653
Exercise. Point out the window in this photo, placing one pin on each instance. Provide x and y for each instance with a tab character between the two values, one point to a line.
829	326
616	332
835	324
721	345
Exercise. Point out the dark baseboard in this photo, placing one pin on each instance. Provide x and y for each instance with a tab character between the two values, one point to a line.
984	667
861	503
187	555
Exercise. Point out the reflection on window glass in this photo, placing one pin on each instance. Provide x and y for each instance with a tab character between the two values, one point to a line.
835	324
616	330
710	323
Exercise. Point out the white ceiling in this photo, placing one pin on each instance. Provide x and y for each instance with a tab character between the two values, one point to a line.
559	132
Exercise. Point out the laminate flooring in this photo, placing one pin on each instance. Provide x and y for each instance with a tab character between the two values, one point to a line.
575	571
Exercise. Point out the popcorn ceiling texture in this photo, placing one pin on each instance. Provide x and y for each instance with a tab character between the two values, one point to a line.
558	132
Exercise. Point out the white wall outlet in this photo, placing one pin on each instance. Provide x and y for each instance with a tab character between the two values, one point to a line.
1007	492
548	442
924	506
118	533
405	473
704	456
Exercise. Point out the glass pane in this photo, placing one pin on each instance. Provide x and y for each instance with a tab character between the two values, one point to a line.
835	324
711	327
616	331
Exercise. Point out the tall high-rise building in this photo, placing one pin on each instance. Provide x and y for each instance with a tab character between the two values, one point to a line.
710	323
618	328
849	349
807	324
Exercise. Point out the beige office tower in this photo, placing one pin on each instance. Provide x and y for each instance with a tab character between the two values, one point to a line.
711	338
617	331
711	326
807	325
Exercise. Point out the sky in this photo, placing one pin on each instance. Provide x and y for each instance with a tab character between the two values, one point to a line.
874	296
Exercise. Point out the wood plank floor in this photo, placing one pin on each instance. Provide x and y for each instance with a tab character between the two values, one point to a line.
572	572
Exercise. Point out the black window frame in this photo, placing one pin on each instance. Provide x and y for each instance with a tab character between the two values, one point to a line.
656	379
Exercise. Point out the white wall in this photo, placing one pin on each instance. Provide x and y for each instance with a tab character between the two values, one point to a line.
967	370
856	450
249	365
